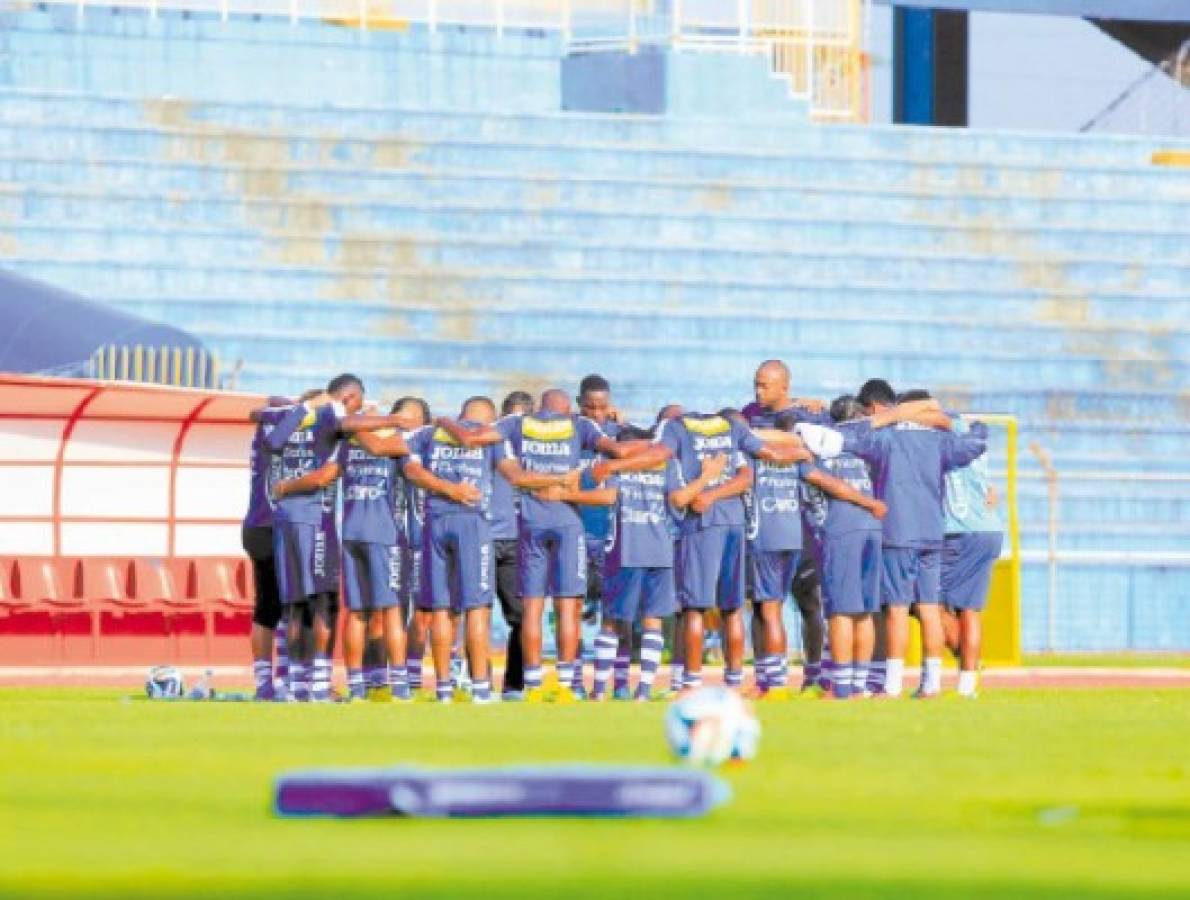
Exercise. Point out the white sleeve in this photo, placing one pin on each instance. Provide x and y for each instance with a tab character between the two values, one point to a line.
823	442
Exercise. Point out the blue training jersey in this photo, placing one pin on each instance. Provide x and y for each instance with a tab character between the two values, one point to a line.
411	503
440	454
550	444
596	519
967	487
691	439
909	464
274	428
776	497
641	522
308	448
369	495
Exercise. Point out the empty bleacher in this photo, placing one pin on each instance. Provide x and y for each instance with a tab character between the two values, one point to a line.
414	206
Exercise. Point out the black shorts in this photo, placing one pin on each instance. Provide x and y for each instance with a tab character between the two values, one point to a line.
258	544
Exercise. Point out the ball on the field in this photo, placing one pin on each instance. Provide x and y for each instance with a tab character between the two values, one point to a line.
164	683
710	726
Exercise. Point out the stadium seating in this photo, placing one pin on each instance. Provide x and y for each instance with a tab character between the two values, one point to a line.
409	205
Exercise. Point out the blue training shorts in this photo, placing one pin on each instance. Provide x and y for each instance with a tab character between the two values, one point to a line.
967	563
552	561
772	573
293	556
710	568
851	572
633	591
910	575
371	575
458	568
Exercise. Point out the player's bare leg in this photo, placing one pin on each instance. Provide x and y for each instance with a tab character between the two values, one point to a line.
693	627
971	649
534	609
896	630
842	636
395	640
300	655
354	637
569	611
325	608
419	630
932	641
951	630
774	643
441	642
733	647
375	655
478	625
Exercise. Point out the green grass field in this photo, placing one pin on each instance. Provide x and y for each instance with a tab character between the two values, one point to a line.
1056	794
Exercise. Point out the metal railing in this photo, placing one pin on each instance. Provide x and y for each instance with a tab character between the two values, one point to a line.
817	46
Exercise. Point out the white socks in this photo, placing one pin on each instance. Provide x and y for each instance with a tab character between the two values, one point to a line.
967	683
894	677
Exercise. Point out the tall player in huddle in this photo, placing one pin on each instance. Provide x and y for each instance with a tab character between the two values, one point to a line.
274	425
974	538
552	547
775	550
305	537
909	463
595	402
774	407
459	572
639	563
504	549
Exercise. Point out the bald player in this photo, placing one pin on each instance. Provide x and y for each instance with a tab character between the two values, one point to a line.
774	407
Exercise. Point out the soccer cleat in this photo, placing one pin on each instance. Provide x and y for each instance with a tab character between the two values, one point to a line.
622	693
512	697
561	695
814	692
534	695
920	694
482	701
776	695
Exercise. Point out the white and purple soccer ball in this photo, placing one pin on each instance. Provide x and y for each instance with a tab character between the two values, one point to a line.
710	726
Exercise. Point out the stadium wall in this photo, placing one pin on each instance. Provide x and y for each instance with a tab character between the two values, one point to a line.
447	244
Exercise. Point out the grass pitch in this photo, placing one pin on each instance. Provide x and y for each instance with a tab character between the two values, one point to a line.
1022	793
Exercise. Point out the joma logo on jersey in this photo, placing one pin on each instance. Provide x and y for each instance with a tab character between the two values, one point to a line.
546	448
707	427
554	430
713	444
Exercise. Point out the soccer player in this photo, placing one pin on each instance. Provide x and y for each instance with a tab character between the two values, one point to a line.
411	501
776	548
595	402
459	570
974	539
275	423
639	563
548	445
850	539
774	407
301	538
504	513
909	462
710	557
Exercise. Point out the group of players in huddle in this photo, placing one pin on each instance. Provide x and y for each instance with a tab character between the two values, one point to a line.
869	510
